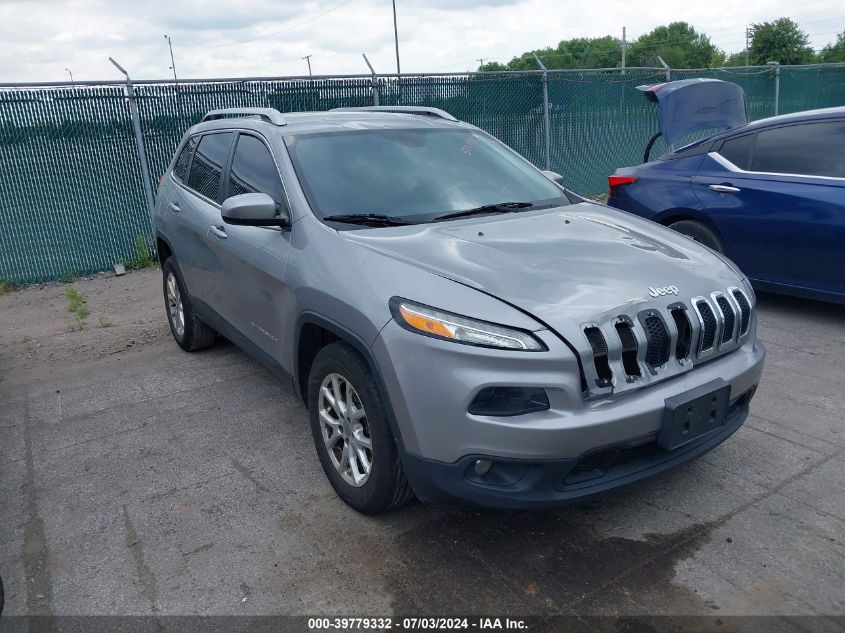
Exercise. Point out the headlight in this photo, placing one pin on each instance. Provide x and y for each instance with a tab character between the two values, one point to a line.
453	327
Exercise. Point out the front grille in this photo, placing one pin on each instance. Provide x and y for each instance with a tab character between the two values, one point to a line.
745	310
658	341
708	331
667	340
729	317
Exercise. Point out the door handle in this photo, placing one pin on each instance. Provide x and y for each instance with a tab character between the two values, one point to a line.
724	188
175	206
218	231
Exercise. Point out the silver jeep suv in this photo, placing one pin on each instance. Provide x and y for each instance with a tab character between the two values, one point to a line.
459	325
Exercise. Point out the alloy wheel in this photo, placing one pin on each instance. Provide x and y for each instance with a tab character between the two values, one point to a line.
345	430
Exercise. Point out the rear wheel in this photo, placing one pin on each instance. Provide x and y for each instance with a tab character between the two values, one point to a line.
698	232
352	434
187	328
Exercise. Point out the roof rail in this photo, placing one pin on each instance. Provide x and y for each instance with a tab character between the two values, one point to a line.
270	115
436	112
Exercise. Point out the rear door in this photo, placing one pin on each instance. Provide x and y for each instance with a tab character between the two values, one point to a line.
778	199
198	205
252	289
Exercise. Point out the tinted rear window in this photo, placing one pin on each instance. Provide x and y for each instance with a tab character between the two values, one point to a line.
813	149
207	166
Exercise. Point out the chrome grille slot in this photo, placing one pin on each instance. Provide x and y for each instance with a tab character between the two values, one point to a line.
658	339
728	316
708	325
744	309
629	350
599	347
682	324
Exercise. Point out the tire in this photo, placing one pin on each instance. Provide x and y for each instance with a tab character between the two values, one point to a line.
337	367
698	232
190	333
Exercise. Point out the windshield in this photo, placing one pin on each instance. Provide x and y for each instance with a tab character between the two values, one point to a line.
414	175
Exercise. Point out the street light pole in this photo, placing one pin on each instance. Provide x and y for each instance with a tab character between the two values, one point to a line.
69	73
172	63
307	58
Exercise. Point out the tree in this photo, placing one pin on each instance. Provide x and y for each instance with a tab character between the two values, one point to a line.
779	41
735	59
834	52
678	43
491	67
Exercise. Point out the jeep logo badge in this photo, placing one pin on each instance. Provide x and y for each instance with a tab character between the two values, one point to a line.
662	292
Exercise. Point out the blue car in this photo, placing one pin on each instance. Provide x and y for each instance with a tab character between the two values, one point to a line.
769	194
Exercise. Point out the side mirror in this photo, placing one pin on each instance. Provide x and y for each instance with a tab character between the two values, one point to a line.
553	176
253	209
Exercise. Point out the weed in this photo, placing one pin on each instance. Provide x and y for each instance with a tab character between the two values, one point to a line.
104	322
6	286
67	278
76	306
142	257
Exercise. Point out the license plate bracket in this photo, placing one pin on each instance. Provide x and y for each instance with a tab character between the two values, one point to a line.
695	413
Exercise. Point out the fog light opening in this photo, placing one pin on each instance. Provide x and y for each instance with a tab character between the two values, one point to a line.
509	401
482	467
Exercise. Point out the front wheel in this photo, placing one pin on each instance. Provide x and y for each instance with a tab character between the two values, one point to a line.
352	434
698	232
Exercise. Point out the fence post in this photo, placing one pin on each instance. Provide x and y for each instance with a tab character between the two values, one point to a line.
776	66
546	121
139	139
666	66
374	79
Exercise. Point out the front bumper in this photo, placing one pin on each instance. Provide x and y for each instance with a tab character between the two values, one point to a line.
540	456
547	483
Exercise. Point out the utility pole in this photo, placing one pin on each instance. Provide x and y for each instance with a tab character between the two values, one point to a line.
624	48
396	38
172	63
481	64
307	58
747	37
69	73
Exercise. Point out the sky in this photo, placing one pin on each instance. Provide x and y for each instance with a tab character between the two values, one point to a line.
42	40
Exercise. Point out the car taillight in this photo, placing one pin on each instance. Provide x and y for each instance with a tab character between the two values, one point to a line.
617	181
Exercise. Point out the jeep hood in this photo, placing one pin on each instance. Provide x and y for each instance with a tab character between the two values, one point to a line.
578	263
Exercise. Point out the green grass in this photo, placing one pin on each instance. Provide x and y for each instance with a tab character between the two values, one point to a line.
104	322
76	306
6	286
142	257
67	278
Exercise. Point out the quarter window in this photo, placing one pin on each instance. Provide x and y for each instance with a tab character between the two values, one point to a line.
180	169
812	149
207	166
738	150
254	171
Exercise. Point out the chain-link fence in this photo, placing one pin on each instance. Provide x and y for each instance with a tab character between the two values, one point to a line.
72	197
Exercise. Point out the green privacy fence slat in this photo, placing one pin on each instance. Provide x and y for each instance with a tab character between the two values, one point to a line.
72	200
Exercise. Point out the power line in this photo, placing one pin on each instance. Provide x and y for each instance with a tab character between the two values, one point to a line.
275	33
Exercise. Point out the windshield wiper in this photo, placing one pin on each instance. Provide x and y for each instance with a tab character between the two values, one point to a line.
367	219
499	207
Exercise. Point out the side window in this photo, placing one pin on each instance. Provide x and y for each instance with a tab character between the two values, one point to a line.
811	149
738	150
254	171
180	169
208	163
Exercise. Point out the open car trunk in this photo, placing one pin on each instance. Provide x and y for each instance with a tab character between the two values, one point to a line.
691	105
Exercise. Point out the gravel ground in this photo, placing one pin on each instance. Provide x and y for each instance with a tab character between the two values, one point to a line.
138	479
